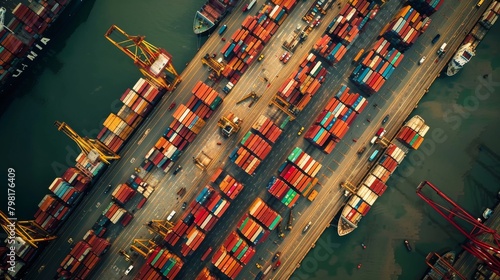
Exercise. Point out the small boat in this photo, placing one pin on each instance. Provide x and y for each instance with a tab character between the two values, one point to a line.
487	213
408	246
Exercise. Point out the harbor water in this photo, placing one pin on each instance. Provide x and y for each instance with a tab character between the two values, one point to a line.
82	76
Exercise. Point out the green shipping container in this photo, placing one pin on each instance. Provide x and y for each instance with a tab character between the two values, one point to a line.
245	138
414	139
216	103
275	222
243	224
157	257
242	252
295	154
237	245
165	273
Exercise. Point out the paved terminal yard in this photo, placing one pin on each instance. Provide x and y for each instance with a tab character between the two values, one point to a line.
398	98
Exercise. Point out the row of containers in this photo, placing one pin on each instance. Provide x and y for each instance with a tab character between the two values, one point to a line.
297	176
84	256
204	211
413	133
24	30
374	184
69	189
344	29
377	65
315	11
189	119
160	264
247	42
238	248
334	121
256	145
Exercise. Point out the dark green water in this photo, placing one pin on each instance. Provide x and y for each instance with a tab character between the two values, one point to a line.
463	112
83	76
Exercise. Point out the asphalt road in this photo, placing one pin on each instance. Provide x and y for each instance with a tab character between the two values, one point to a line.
397	98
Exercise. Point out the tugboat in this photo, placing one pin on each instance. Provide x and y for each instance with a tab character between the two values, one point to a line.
408	246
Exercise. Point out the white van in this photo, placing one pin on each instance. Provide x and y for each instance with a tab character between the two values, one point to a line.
442	48
373	139
129	269
171	215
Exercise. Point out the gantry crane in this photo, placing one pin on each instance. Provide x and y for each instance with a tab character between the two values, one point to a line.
484	248
284	106
154	63
252	95
161	227
348	186
218	67
451	272
87	145
143	247
28	231
229	124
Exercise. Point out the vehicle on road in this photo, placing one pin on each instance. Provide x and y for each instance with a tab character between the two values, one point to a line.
287	58
300	131
108	188
283	56
276	256
172	106
373	156
276	265
129	269
436	38
385	119
442	49
268	269
362	150
258	265
259	275
184	204
421	60
222	29
374	139
479	3
261	57
137	170
171	215
177	170
306	228
381	132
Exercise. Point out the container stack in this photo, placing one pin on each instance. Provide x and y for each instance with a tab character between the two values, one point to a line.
267	128
84	256
136	103
304	161
426	7
300	181
413	132
344	29
264	214
227	184
122	194
377	66
250	229
207	95
194	239
64	191
205	274
114	212
299	88
334	121
282	192
51	212
148	91
90	165
118	127
488	19
244	159
404	29
256	145
164	153
217	205
160	264
140	186
189	119
77	179
246	43
238	248
28	24
226	263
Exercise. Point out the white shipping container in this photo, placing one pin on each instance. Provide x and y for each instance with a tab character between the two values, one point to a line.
256	234
369	181
255	207
221	206
423	130
271	14
354	201
207	220
371	199
315	172
184	114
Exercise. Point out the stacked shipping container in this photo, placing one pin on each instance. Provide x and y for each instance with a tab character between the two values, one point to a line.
228	185
299	88
413	132
238	248
122	193
84	256
114	212
264	214
282	192
344	29
194	239
226	263
205	274
160	264
250	229
255	146
426	7
334	121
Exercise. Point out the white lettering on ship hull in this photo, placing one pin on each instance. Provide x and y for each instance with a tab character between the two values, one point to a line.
32	55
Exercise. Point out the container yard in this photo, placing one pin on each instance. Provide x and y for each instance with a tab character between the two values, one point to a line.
209	196
334	121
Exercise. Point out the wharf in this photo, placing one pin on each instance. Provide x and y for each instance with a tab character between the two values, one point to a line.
467	264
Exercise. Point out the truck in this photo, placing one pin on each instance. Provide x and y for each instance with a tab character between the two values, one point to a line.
290	221
227	89
442	49
313	195
373	156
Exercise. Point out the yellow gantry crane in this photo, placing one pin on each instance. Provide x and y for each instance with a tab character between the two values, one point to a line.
229	124
161	227
154	63
87	145
211	62
284	106
143	247
28	231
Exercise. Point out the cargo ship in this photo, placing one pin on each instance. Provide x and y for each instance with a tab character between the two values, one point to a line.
410	136
442	267
467	50
212	12
25	35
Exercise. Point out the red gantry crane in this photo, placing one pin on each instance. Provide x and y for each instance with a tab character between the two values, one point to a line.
482	241
154	63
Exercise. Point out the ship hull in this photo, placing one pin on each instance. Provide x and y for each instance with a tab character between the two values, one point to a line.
441	266
461	57
210	14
